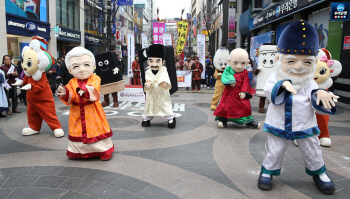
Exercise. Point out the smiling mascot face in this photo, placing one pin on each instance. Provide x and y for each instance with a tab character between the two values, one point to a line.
35	61
326	69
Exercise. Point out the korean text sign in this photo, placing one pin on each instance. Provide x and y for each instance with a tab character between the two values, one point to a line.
182	28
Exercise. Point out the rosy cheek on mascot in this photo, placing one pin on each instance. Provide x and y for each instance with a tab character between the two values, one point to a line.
295	97
41	105
234	105
89	131
326	69
220	63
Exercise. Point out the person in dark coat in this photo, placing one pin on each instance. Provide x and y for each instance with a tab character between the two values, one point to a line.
210	70
66	76
51	77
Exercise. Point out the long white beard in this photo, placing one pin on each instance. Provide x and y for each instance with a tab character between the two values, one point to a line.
297	82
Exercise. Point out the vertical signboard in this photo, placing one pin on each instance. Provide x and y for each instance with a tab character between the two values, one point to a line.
131	53
167	39
144	40
232	17
158	30
201	51
182	28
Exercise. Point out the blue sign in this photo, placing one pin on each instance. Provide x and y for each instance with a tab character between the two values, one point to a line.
125	2
340	11
189	16
18	25
31	27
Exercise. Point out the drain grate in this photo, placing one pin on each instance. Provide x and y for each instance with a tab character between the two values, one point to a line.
122	122
202	104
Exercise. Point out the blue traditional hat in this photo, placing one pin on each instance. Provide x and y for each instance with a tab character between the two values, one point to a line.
299	38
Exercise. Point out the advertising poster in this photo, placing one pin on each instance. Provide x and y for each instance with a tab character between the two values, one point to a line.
201	51
167	39
144	40
184	78
255	44
320	20
232	16
131	53
32	9
182	28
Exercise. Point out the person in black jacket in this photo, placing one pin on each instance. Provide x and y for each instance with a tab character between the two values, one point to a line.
210	70
66	76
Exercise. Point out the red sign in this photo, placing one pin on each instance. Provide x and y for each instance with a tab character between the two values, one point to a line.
347	42
231	34
118	35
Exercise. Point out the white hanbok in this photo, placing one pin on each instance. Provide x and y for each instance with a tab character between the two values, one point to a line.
158	102
3	99
292	117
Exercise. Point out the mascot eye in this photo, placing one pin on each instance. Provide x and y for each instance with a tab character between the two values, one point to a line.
221	64
323	71
106	62
264	54
29	63
264	61
225	64
100	63
271	61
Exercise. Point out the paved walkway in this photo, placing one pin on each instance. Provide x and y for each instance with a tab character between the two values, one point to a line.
194	160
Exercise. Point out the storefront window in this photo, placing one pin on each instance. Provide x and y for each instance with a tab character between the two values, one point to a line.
92	20
67	14
15	44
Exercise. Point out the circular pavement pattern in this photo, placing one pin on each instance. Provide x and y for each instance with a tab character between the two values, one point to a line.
122	122
73	182
202	104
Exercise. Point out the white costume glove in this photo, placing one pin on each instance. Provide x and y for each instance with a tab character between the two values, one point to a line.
18	83
116	70
81	92
61	91
219	74
326	99
27	87
289	87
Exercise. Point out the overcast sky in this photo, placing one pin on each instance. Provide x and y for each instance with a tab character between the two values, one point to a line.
172	8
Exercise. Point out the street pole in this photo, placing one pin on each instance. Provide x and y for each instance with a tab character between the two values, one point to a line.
108	23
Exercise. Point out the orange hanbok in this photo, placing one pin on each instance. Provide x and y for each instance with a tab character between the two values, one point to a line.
89	132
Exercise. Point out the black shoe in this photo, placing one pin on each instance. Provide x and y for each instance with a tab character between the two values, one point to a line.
146	123
324	187
253	125
173	124
265	183
187	89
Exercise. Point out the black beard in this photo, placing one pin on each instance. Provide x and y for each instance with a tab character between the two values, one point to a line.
154	72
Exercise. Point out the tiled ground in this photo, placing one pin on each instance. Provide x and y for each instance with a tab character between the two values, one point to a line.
194	160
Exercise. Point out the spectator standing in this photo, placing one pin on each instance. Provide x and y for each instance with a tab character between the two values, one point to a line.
181	63
10	76
177	64
188	63
136	71
66	76
210	70
197	69
50	75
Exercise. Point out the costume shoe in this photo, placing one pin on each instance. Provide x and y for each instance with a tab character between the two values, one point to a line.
212	107
325	141
253	125
106	102
58	133
324	183
105	158
265	181
146	123
222	124
172	123
295	142
29	131
115	99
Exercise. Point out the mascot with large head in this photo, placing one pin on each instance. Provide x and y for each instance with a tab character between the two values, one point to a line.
41	106
220	62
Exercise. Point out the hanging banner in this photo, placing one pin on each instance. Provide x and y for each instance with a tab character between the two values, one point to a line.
184	78
131	53
167	39
201	51
144	40
158	30
182	28
232	16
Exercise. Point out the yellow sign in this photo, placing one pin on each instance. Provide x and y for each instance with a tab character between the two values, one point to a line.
205	32
182	28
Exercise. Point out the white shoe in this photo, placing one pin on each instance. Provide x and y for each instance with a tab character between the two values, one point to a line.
58	133
295	142
325	142
29	131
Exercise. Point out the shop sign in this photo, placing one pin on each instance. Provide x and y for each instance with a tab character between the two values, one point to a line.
69	35
280	10
340	11
346	42
92	39
231	40
125	2
16	25
92	4
231	34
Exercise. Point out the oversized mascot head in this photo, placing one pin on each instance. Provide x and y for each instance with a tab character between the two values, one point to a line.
326	69
35	59
221	58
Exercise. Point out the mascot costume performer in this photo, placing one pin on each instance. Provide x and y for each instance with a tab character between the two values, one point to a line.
41	105
159	83
326	69
108	68
267	53
234	105
89	132
295	97
220	62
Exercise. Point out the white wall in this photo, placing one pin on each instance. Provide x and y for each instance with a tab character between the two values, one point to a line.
3	30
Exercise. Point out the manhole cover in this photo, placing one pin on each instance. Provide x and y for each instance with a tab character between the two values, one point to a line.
122	122
202	104
174	95
64	108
